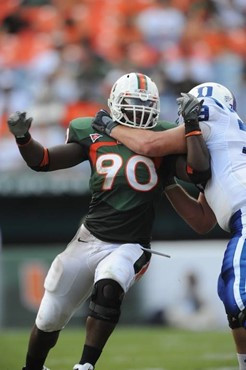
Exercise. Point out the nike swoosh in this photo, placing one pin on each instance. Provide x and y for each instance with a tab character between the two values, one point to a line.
81	240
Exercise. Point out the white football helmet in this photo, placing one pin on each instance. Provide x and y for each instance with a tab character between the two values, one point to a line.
216	91
134	101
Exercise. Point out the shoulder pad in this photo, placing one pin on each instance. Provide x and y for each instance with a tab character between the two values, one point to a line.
79	129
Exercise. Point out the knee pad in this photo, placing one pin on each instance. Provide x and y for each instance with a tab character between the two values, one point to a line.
238	321
106	300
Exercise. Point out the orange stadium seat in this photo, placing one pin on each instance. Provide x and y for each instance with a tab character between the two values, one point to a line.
7	7
42	18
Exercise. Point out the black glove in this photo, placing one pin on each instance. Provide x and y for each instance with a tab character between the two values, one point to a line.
190	108
19	125
103	122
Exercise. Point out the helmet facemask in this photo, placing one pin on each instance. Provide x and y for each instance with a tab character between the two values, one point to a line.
134	107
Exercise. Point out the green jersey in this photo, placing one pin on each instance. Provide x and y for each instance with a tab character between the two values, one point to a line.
125	186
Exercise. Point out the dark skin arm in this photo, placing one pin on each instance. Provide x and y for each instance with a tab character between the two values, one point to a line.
61	156
35	154
195	212
198	156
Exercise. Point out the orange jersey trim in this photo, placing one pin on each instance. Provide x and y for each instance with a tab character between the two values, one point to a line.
94	147
142	271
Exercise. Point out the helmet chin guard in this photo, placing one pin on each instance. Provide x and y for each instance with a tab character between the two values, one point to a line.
134	101
216	91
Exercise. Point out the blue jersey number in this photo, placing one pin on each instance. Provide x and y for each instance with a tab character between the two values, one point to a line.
204	92
207	89
204	114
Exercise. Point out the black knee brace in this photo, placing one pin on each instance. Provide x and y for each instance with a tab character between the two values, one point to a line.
106	300
237	321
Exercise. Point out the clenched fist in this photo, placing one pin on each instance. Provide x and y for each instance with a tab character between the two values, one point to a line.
18	124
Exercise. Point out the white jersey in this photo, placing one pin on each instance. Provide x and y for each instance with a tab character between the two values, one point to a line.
225	136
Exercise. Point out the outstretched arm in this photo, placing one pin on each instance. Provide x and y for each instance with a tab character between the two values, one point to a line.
145	142
161	143
35	154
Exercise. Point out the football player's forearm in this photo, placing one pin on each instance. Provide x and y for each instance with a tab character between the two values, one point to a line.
135	139
196	213
198	166
151	143
32	152
198	156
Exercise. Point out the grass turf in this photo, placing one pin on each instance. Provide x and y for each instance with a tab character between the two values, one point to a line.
131	348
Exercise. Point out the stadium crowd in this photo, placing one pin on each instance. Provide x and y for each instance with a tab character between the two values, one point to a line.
59	58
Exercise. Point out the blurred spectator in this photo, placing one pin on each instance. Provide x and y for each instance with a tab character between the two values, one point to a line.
161	24
57	57
192	312
230	13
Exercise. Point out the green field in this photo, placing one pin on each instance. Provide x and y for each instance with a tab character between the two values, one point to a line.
146	348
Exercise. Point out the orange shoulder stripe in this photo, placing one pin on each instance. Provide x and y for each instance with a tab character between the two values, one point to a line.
95	146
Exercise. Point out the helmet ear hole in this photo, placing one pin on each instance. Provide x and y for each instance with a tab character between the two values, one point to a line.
134	101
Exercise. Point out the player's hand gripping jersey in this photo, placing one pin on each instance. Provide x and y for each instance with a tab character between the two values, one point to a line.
125	186
225	136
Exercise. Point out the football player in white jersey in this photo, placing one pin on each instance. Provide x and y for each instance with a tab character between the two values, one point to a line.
224	199
224	196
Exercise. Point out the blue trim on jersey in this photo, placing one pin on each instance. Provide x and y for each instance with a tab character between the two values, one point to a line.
242	125
243	274
231	109
227	278
232	280
235	224
218	103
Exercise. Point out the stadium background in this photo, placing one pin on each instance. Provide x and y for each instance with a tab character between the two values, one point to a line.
58	60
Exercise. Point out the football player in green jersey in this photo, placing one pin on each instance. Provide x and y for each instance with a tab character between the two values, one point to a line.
105	258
